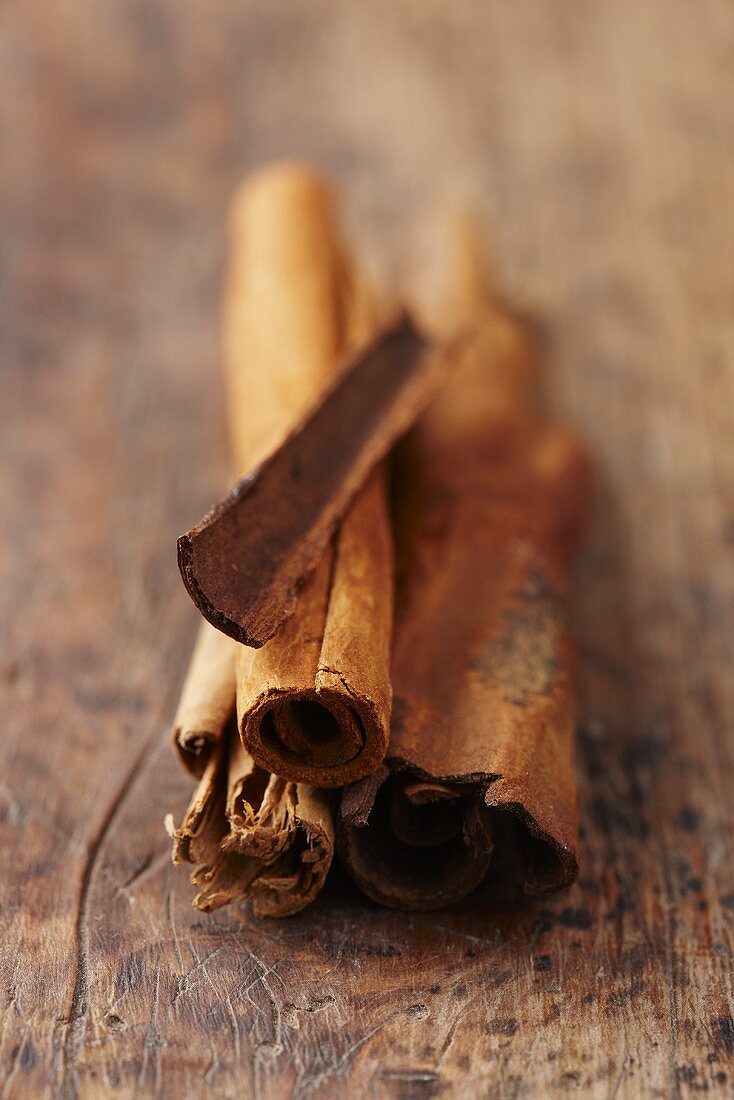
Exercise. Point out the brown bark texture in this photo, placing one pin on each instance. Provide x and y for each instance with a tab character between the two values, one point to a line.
490	499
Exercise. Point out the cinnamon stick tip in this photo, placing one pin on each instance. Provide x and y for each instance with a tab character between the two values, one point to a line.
285	185
240	629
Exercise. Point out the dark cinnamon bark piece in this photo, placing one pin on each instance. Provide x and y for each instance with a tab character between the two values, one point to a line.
427	844
490	498
246	561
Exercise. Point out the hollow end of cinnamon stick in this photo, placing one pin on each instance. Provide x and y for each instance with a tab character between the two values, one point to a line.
317	736
207	700
426	845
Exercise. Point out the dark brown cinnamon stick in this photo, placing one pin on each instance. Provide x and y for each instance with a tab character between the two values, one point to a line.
489	499
245	563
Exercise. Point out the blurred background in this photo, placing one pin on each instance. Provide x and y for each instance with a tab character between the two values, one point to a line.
596	142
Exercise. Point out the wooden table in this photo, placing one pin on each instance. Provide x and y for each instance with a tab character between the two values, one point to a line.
598	139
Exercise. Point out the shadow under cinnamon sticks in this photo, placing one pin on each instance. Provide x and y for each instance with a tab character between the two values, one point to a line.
490	497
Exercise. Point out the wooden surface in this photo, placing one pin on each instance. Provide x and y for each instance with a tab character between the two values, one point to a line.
599	138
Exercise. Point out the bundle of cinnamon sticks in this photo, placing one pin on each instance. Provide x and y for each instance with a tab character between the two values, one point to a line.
384	668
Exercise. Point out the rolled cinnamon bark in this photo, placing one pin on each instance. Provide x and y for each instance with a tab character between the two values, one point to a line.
207	699
314	702
244	563
253	835
490	496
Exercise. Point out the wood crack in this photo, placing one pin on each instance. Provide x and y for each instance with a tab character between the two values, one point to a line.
68	1088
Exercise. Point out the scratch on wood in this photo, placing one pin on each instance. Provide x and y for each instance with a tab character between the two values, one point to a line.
153	1040
79	1007
148	867
137	873
171	921
234	1023
17	1061
620	1077
339	1066
183	983
454	1027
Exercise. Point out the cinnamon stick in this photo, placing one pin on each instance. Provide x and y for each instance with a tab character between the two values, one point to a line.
245	562
253	835
314	702
490	498
207	699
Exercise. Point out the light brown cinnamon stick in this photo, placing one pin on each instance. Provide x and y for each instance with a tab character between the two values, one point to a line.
490	497
207	699
314	702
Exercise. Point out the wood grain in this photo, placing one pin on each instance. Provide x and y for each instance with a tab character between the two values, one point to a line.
598	139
